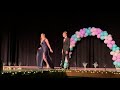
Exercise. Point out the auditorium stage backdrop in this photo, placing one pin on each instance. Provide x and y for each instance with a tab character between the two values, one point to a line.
20	32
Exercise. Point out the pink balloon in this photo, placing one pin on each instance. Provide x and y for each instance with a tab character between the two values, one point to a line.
111	53
73	45
117	51
72	42
98	36
105	41
99	30
108	42
109	45
118	56
70	46
85	36
78	36
118	60
105	37
93	34
96	32
80	30
110	38
114	58
83	30
81	35
77	32
92	30
71	39
109	35
113	42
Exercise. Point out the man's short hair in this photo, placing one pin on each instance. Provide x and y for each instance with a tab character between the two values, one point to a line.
65	32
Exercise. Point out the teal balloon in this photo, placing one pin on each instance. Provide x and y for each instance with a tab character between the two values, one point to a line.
117	48
101	34
88	31
105	33
114	63
117	64
113	49
71	49
89	28
90	34
74	36
102	37
78	39
85	29
114	46
86	34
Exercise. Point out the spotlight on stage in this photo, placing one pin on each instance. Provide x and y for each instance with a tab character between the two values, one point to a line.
95	65
105	66
19	68
4	65
9	64
14	66
84	65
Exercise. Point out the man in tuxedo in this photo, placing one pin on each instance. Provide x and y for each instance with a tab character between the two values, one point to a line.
65	51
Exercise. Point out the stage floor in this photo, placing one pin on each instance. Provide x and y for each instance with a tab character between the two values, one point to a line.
35	68
72	72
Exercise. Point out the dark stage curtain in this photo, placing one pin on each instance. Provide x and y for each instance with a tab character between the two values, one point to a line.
91	50
17	47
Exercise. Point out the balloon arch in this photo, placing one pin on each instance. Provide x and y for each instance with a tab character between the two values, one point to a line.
103	35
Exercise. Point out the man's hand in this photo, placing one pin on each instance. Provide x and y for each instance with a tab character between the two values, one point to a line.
66	52
62	51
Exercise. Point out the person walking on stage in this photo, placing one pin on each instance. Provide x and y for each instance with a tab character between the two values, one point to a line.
43	52
65	51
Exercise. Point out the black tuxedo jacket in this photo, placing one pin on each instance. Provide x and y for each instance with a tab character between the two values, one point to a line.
66	44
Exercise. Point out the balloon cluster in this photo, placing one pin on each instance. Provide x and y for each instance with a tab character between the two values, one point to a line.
103	35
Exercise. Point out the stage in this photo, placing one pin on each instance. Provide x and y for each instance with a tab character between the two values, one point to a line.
73	72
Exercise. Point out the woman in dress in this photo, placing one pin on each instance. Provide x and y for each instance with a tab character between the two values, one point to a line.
43	52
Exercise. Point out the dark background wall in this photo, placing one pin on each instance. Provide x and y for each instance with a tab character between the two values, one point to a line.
20	32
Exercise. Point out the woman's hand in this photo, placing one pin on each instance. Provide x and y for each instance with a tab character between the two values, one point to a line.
39	48
51	50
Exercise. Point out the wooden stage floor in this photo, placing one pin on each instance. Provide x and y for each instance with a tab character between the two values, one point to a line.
71	73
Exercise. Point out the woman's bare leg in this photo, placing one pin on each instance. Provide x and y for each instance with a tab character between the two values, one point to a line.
44	58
